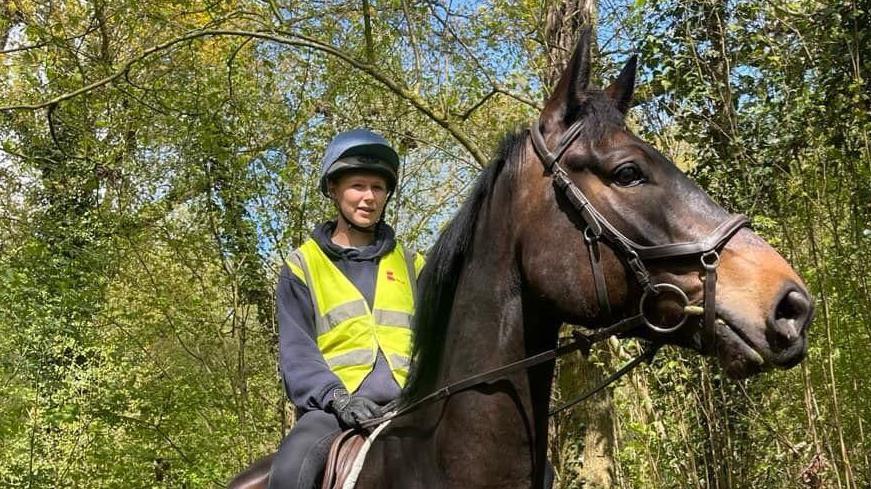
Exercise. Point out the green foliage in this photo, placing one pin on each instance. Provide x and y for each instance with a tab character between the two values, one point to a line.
773	101
143	221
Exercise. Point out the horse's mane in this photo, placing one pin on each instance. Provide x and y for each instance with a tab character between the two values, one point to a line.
438	281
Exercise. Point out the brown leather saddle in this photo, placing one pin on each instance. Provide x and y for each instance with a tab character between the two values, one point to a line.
341	458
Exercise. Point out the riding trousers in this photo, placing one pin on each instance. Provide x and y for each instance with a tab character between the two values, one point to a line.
303	452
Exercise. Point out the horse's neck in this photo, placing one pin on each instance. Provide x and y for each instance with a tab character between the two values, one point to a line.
492	325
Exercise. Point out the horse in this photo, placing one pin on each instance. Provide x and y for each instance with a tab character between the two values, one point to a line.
578	221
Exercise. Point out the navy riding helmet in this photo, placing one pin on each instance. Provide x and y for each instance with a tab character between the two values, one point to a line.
372	152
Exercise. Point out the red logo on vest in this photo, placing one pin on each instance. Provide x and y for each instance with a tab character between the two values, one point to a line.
391	277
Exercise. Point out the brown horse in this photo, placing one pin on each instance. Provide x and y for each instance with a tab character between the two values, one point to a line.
576	221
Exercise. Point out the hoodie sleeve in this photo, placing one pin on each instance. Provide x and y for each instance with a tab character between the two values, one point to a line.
308	380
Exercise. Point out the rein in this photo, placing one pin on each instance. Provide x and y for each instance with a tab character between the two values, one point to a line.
633	254
580	342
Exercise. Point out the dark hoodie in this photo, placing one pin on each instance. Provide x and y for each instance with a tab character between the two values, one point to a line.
307	378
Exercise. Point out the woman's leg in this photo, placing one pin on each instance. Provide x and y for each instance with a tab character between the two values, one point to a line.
303	452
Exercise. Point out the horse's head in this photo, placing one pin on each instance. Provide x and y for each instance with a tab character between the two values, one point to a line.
757	309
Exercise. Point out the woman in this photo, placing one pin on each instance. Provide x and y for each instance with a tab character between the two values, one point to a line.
345	302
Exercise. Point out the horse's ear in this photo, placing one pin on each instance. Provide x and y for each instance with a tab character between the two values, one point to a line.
621	89
569	92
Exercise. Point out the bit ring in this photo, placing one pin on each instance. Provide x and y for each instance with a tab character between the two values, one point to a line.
658	289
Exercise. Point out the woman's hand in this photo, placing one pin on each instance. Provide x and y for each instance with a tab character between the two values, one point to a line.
352	410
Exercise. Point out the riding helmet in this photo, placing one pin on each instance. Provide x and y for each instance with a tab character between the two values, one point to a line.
359	149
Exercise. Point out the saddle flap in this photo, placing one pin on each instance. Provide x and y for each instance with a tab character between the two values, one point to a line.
343	453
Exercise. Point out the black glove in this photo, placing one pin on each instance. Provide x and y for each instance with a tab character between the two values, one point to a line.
351	410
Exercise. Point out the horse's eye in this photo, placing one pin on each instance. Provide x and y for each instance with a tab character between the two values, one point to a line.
628	175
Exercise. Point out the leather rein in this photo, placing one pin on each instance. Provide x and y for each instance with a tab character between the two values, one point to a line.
633	255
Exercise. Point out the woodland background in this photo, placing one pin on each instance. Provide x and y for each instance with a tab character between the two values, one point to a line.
159	159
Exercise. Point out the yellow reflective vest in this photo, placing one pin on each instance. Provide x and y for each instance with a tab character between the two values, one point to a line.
349	334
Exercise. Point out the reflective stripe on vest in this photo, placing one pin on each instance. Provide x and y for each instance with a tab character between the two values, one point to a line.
348	333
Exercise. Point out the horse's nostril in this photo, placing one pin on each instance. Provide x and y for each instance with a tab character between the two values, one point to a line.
791	316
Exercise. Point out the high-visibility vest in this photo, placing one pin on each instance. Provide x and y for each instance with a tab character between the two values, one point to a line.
349	334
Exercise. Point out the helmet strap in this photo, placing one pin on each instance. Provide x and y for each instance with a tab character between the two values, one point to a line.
360	229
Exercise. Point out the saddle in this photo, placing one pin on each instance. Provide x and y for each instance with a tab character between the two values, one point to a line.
343	453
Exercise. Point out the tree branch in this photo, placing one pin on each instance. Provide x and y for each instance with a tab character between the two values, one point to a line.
412	40
230	61
290	39
367	33
465	115
47	43
504	91
497	87
413	98
276	11
109	79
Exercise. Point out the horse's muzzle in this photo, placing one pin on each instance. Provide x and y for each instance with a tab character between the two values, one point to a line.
787	327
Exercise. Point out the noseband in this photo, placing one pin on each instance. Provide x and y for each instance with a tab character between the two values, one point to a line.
633	254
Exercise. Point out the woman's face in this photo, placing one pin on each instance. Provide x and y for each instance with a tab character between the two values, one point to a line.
361	196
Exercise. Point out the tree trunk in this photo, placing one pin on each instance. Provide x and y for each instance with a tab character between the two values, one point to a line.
563	22
583	444
583	441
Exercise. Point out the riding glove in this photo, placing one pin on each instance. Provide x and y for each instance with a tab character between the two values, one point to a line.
352	410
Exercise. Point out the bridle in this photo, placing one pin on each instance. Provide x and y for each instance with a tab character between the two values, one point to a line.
634	255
